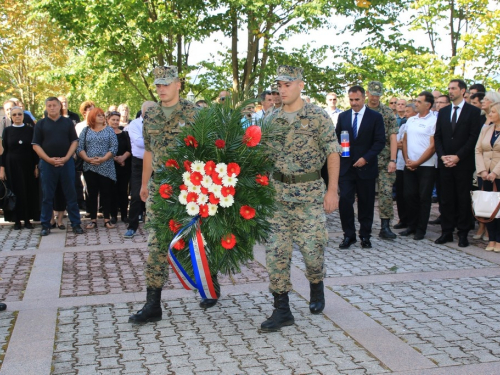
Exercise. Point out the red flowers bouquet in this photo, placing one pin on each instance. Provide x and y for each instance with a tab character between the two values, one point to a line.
214	187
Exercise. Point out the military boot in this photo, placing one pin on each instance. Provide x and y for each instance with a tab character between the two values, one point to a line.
385	230
317	299
151	312
206	303
3	306
281	316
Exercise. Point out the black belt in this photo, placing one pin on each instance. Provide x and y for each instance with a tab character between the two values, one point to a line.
297	178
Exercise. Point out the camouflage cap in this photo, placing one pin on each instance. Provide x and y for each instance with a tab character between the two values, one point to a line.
375	88
165	75
274	88
288	73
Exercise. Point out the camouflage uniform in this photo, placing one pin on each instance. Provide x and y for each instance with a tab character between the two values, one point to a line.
385	179
159	134
300	217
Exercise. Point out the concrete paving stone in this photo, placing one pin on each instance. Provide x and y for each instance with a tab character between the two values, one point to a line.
14	275
157	368
16	240
7	322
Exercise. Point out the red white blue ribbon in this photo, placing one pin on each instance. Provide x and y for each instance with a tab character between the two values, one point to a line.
199	261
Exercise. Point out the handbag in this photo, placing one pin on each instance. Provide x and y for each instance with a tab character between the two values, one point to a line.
7	198
486	204
79	160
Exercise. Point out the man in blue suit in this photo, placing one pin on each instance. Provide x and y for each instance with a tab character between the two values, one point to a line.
359	171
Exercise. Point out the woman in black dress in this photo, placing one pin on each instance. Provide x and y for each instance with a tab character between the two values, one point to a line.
123	167
18	168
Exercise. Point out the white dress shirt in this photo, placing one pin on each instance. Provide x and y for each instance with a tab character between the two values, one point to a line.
134	130
459	109
360	117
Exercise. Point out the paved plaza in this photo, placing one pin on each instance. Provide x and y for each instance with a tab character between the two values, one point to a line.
402	307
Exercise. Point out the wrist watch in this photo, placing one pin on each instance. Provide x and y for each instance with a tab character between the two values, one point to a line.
393	160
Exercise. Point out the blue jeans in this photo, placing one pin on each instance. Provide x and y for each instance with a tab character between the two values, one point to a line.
50	175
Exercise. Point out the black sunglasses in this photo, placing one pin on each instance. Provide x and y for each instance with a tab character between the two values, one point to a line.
16	114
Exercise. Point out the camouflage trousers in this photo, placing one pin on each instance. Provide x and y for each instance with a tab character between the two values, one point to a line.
385	182
156	271
305	225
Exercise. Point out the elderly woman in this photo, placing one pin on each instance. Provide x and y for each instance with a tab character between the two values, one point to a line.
18	168
488	166
123	167
97	147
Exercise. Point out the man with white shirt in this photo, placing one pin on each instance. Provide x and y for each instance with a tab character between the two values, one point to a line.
457	129
331	107
420	172
267	102
137	206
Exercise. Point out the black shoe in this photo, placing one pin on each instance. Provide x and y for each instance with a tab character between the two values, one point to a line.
53	225
385	230
365	243
281	317
317	298
418	236
463	241
400	225
28	225
78	229
347	242
125	220
151	311
207	303
3	306
113	220
407	232
17	226
45	232
437	221
448	237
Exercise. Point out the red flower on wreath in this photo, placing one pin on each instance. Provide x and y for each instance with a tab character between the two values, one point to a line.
216	179
228	241
179	245
213	199
227	190
209	167
263	180
192	197
233	168
187	165
220	143
196	178
183	187
172	163
247	212
191	141
252	136
174	225
166	191
203	210
204	190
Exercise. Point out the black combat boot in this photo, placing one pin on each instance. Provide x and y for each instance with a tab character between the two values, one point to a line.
281	317
317	300
385	231
151	312
3	306
206	303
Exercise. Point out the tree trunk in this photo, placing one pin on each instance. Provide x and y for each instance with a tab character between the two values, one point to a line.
234	50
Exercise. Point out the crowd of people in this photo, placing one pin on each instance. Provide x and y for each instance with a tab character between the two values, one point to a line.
407	150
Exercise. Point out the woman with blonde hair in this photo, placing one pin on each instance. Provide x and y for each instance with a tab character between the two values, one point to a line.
488	166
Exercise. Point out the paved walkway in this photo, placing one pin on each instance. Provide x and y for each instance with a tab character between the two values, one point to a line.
403	307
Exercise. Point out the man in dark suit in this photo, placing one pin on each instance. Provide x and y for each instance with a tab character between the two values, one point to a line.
457	129
359	171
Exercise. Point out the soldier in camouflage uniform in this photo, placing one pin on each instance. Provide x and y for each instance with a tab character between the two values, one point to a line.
301	199
162	124
386	159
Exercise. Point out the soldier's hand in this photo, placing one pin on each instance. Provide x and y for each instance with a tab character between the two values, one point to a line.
330	202
391	167
144	193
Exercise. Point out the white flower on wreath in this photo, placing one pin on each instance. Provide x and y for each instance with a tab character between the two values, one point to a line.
194	189
186	177
226	201
221	169
212	209
183	197
216	190
207	182
229	180
202	199
192	209
198	166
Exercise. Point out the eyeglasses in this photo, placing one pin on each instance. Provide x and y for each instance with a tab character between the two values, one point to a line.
16	114
392	102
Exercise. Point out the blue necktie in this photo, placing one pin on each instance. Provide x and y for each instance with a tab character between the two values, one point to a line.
355	126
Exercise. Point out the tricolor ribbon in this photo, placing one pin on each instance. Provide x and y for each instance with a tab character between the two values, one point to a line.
199	261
